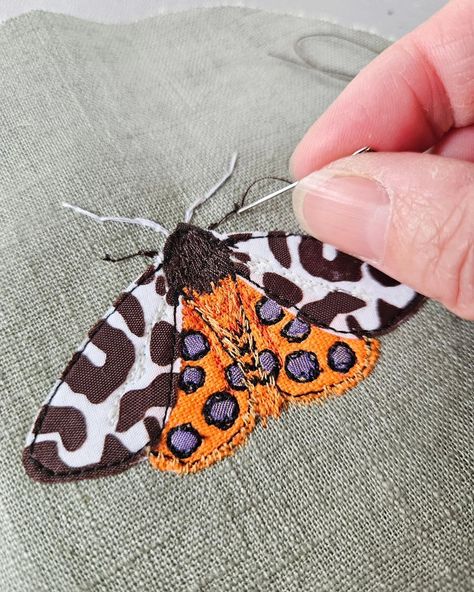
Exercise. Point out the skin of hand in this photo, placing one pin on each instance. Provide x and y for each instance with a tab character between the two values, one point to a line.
408	212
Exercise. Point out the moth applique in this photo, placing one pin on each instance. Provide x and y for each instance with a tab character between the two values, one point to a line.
223	331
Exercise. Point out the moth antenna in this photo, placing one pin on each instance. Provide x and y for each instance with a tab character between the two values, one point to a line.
137	221
140	253
188	214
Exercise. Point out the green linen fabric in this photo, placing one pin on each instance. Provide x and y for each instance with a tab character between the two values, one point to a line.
372	491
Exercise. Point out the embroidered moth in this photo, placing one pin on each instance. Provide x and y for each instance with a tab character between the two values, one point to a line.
221	331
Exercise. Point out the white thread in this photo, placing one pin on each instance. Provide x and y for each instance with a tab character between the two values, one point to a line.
137	221
188	214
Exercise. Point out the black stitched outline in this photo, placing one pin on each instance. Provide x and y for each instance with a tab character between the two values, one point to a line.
97	468
258	307
206	350
224	424
185	387
170	373
347	347
233	386
188	427
293	338
296	354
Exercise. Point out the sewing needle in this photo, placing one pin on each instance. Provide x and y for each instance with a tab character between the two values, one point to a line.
288	187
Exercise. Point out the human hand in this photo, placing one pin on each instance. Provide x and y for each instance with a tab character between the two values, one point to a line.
409	214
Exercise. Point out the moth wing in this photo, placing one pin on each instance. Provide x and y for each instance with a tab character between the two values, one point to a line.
306	362
115	394
329	288
213	412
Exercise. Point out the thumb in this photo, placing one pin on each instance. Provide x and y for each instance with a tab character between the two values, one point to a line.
411	215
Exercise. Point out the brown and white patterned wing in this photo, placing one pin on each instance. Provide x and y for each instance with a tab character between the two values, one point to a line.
329	288
116	392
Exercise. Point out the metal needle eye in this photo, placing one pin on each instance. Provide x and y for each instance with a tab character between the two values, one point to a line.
288	187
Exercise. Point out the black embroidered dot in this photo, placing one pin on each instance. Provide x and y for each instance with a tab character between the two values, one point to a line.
268	311
235	377
194	345
302	366
221	410
183	440
269	362
191	378
296	330
341	357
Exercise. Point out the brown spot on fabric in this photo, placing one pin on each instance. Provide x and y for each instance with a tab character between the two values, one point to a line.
99	382
241	269
342	268
325	310
75	356
114	450
171	298
163	336
95	328
153	428
132	312
279	247
160	285
239	237
354	326
147	276
244	257
388	313
120	298
68	422
382	278
134	404
281	289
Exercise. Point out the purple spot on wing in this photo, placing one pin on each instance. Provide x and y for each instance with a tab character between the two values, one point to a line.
296	330
302	366
191	378
195	346
235	377
269	311
268	361
341	357
183	440
221	410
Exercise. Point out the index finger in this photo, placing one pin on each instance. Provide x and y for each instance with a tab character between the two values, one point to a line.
406	99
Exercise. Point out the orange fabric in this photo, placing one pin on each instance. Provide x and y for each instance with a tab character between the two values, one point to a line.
228	319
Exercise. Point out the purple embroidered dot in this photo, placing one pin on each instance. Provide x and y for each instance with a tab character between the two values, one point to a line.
302	366
341	357
183	440
269	311
195	346
296	330
268	361
221	410
235	377
191	378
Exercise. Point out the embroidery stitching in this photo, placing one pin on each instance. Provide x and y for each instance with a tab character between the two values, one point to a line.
244	325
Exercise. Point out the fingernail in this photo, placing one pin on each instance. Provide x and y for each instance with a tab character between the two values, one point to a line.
347	211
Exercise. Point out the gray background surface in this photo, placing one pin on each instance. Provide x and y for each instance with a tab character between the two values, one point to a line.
370	492
391	18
